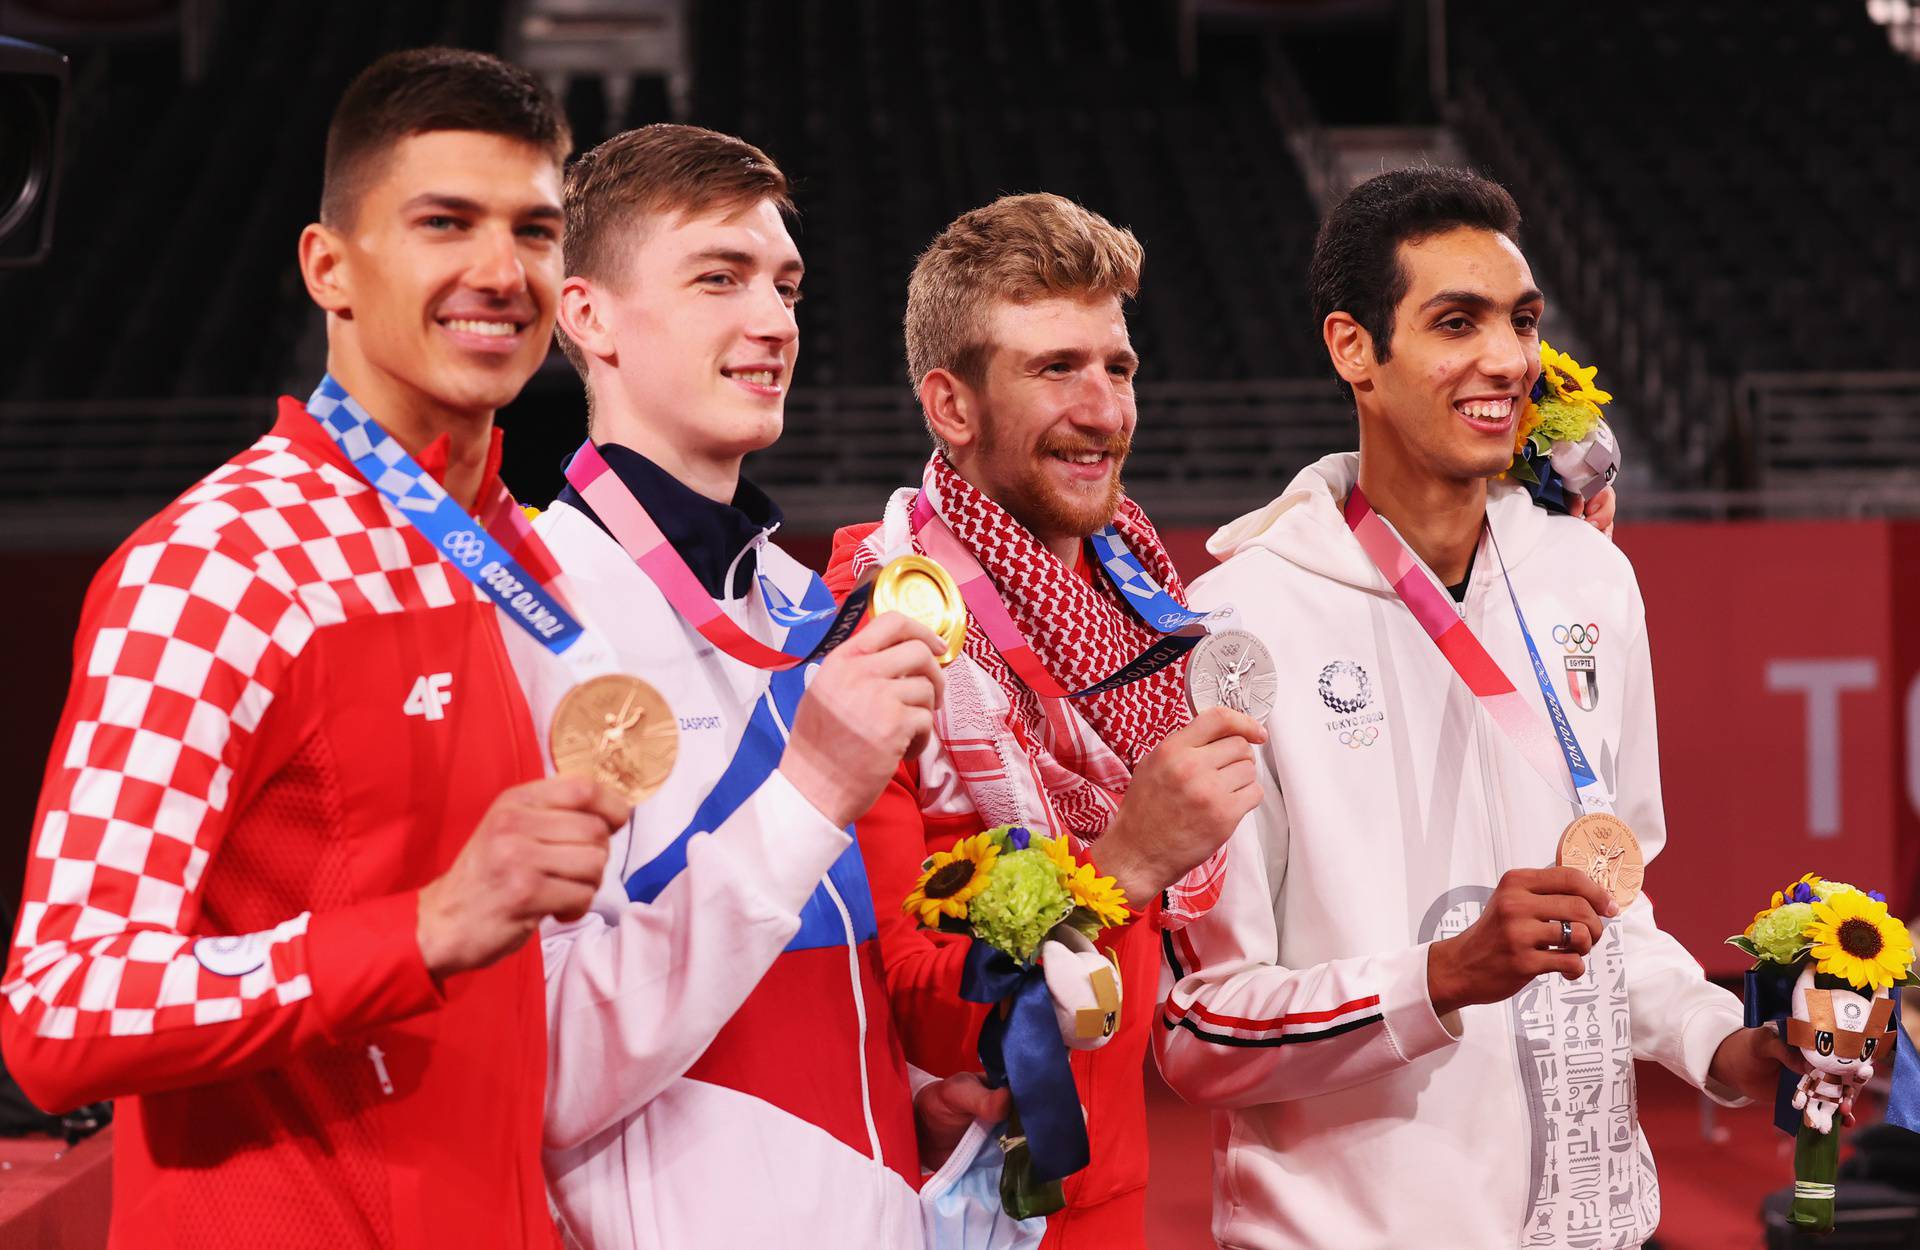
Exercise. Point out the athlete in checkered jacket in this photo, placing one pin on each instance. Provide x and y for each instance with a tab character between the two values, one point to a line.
277	900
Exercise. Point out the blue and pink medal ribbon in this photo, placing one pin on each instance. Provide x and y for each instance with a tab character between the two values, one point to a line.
814	626
1181	628
1544	746
626	519
502	557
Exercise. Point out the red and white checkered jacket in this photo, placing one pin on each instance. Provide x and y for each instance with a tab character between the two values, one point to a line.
286	716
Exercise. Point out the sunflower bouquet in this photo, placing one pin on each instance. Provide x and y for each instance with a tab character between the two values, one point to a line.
1561	443
1010	888
1827	958
1032	911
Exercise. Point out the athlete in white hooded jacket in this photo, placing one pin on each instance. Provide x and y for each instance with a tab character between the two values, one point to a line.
1404	1044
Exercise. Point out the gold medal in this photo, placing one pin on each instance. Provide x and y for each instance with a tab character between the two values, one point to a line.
917	587
617	730
1601	846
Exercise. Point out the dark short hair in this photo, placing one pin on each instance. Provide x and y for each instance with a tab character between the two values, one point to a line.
1356	265
650	171
422	89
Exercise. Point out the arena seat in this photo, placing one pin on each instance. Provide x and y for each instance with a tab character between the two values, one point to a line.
1736	178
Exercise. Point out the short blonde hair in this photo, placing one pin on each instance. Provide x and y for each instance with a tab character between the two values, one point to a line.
655	170
1018	248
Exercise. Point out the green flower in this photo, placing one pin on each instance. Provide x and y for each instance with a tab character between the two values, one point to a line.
1024	898
1780	934
1824	889
1564	421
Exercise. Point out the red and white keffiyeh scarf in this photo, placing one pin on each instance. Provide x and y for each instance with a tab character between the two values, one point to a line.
1081	751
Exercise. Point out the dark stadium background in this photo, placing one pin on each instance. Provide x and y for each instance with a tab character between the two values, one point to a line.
1722	202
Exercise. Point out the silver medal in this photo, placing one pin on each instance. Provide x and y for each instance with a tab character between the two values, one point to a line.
1231	668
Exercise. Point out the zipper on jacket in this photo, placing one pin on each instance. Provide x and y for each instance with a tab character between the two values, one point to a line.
853	976
1490	797
860	1014
757	545
1503	860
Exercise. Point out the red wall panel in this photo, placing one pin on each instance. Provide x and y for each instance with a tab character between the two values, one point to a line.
1780	728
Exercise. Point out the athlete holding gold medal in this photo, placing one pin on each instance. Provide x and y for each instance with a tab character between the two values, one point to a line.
724	1069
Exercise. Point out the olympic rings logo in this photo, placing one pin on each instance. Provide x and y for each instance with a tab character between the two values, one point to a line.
465	546
1577	639
1365	736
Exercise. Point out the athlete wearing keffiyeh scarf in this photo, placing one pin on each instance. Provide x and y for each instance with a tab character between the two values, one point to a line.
1080	752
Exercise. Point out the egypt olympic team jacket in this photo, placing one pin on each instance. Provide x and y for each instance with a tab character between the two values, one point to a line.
1349	1114
724	1070
286	716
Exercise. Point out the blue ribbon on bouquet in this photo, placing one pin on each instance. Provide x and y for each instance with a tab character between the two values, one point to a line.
1768	999
1020	1047
1547	489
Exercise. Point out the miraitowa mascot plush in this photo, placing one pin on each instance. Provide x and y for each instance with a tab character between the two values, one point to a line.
1837	1029
1827	960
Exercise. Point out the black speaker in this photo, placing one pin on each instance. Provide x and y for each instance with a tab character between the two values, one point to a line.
33	94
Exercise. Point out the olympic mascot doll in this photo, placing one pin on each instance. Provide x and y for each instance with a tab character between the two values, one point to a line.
1827	958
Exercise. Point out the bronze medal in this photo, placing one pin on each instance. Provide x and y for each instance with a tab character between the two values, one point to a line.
916	586
617	730
1600	845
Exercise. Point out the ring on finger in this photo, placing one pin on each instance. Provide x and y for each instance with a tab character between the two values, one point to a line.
1566	935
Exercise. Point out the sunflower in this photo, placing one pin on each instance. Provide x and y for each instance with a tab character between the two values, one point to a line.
1523	428
949	879
1854	937
1567	380
1099	896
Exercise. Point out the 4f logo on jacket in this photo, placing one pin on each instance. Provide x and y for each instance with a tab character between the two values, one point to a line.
430	695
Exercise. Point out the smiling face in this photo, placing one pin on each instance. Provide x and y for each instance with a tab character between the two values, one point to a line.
1465	351
1055	414
698	335
1834	1013
445	279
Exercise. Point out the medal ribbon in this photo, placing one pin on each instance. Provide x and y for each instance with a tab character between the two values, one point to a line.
1181	629
489	556
1482	674
637	532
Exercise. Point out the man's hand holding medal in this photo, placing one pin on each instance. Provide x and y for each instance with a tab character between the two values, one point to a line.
869	706
539	851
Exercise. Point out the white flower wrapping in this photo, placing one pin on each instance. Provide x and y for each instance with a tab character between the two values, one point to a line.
1587	466
1085	987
